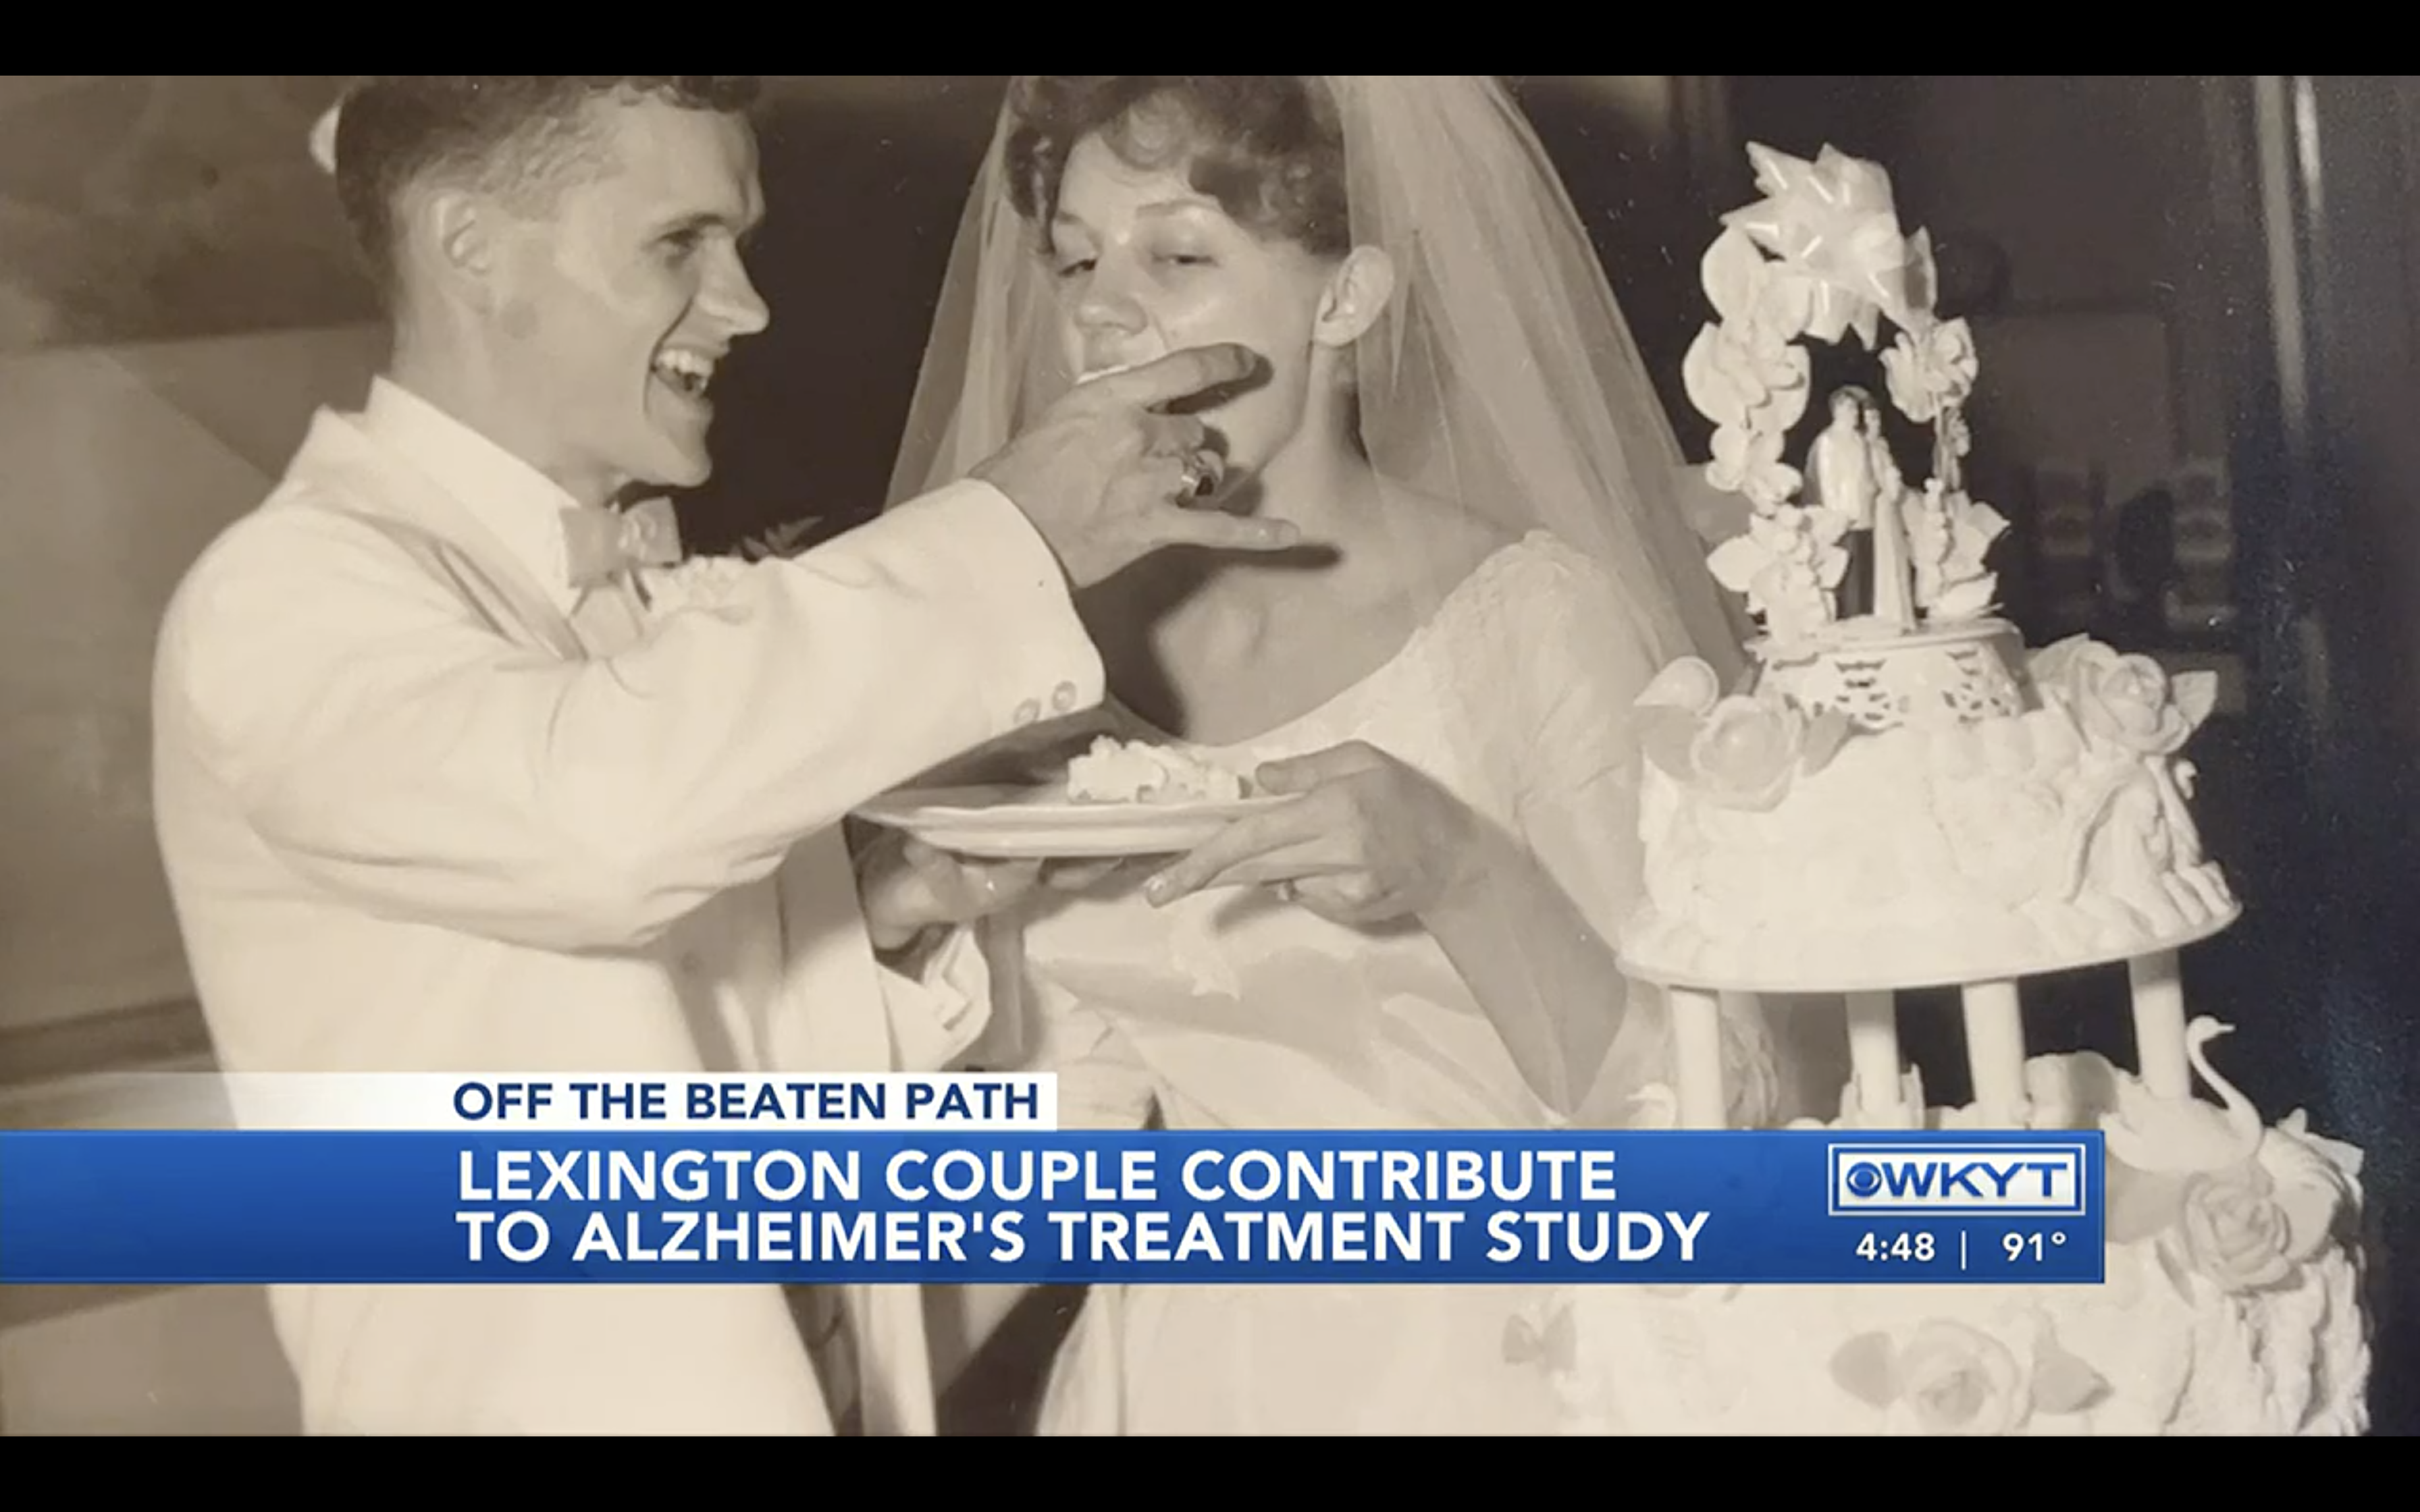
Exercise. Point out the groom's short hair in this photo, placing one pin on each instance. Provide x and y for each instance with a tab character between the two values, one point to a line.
524	134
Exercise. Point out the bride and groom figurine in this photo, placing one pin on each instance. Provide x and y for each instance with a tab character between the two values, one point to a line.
1857	477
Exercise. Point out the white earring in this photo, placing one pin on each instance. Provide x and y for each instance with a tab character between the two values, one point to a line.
323	139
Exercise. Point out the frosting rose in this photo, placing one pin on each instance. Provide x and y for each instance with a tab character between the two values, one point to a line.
2232	1231
1954	1382
1950	1381
1743	753
2311	1185
1739	752
2124	699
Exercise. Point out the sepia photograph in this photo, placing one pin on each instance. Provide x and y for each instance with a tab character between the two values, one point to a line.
1209	755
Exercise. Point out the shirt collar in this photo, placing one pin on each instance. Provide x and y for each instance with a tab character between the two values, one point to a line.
520	505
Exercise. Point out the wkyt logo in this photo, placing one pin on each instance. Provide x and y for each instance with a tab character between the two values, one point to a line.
2015	1181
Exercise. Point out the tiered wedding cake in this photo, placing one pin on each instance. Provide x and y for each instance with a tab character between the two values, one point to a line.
1904	797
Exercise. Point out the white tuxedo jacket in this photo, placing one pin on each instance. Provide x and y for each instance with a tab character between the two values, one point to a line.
413	819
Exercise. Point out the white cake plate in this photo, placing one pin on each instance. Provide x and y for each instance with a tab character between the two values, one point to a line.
1043	824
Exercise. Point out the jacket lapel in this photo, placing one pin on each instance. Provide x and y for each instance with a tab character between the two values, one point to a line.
384	489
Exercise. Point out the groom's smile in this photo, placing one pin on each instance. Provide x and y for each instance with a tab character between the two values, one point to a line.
685	371
637	290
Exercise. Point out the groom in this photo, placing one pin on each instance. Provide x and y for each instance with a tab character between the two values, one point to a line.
441	788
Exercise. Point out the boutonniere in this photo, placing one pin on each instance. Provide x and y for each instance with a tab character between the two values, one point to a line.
780	541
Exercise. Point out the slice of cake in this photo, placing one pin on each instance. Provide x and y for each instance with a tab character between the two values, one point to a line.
1135	771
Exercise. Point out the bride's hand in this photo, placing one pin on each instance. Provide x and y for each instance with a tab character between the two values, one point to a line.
1368	841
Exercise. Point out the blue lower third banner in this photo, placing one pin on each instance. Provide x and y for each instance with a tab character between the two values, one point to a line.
552	1205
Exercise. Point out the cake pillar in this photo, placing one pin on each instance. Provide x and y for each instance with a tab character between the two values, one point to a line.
1996	1050
1874	1057
1697	1058
2159	1025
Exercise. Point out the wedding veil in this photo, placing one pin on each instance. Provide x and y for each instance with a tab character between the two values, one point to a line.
1502	375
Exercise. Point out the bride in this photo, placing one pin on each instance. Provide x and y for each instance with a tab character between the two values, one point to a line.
1454	414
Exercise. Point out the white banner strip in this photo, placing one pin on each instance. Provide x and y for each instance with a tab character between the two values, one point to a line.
508	1101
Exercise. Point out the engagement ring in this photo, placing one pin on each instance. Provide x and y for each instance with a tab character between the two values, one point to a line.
1201	475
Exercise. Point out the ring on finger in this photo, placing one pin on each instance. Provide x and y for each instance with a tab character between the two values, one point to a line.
1201	475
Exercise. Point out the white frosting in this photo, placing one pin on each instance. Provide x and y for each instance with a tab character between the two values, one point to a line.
2156	1351
1938	852
2233	1306
1785	852
1116	771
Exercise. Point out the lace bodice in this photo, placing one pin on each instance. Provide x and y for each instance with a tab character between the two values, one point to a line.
1236	1010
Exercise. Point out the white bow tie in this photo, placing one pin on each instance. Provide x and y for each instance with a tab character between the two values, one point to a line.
602	545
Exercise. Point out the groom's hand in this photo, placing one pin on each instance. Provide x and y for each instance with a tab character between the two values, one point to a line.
906	887
1107	478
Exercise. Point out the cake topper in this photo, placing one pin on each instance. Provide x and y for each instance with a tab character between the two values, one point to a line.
1865	553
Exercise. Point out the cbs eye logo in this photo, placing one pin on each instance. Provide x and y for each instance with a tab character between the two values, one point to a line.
1862	1179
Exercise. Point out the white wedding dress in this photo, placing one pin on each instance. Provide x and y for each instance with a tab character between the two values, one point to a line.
1233	1010
1499	373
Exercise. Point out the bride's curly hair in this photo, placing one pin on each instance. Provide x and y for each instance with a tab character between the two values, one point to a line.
1269	147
